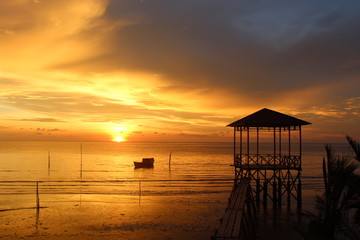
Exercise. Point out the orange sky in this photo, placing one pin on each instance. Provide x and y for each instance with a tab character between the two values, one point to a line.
94	70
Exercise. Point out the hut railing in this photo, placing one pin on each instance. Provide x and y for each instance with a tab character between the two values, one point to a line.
267	161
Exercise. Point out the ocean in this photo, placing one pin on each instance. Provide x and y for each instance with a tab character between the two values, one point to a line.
91	190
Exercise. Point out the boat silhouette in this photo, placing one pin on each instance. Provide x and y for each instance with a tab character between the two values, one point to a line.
146	163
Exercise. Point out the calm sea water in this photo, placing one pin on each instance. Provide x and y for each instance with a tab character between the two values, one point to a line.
197	183
29	161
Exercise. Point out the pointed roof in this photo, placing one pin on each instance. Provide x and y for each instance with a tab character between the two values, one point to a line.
268	118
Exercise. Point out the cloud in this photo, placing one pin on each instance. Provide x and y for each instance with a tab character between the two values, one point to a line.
77	108
47	32
166	65
206	45
41	120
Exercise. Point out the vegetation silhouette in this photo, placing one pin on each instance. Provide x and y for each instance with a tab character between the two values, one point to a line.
337	211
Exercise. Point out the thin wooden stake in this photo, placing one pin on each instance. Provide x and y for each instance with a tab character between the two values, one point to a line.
299	196
258	192
170	159
265	193
139	188
81	160
37	197
48	161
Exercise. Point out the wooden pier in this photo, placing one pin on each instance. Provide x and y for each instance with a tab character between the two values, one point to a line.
239	220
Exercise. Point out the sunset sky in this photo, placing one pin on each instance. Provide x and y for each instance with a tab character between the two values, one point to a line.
176	70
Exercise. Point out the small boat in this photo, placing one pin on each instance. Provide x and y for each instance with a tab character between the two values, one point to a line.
146	163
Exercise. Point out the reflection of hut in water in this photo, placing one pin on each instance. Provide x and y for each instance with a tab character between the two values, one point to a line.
274	165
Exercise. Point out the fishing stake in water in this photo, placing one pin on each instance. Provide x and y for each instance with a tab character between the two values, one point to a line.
169	159
37	197
48	161
139	187
81	160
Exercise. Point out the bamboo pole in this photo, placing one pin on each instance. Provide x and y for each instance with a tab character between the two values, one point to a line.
248	145
139	191
257	145
280	143
81	161
258	192
275	194
265	193
169	159
279	190
241	143
289	142
37	197
49	161
234	146
288	190
299	196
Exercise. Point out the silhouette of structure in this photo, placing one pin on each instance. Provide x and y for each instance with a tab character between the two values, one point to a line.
274	165
239	220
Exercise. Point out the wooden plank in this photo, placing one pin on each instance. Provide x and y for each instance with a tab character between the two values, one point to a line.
229	216
237	212
231	224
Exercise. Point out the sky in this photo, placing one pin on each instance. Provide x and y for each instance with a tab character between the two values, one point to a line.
171	70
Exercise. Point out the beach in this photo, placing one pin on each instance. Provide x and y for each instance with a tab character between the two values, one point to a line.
114	217
113	200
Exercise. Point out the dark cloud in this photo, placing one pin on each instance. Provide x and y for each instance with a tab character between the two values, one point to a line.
198	135
246	47
55	130
41	120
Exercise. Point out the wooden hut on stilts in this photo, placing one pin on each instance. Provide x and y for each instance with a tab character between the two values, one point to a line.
268	150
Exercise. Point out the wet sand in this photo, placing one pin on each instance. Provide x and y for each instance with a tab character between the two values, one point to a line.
114	217
100	216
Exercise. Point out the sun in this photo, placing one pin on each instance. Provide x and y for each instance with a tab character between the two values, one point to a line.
118	139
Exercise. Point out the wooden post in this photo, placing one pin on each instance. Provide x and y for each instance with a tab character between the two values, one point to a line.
299	196
280	142
288	188
274	148
300	147
274	184
81	161
48	161
234	145
257	192
265	193
248	145
275	193
37	197
257	145
235	175
289	142
169	159
279	191
241	144
139	191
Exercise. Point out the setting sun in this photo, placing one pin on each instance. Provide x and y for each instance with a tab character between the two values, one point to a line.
118	139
